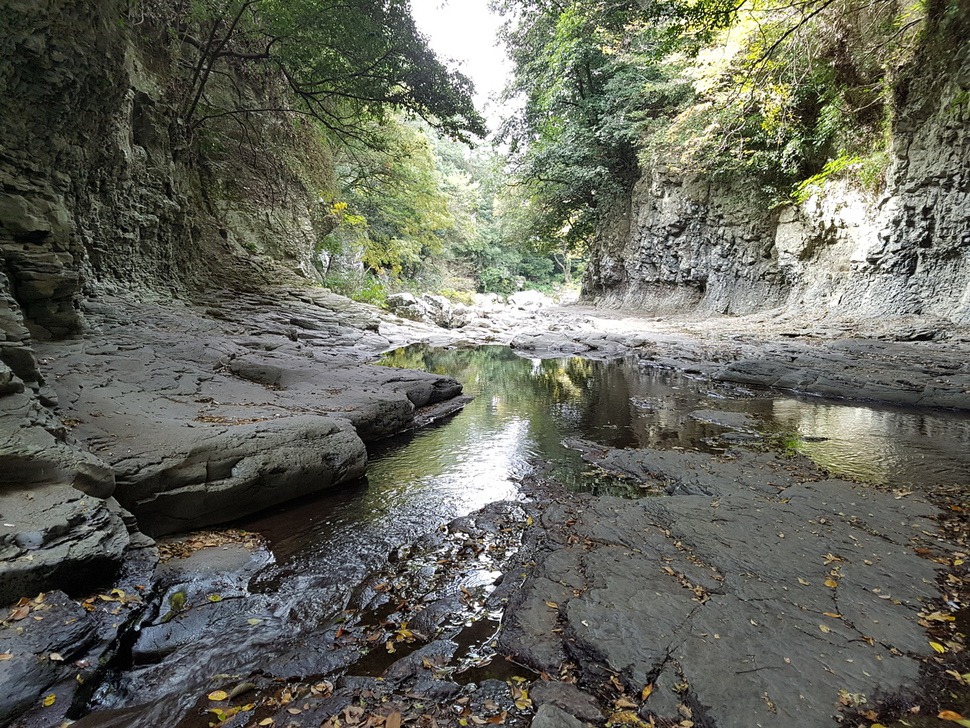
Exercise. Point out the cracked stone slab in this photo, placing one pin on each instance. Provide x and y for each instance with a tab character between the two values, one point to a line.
752	606
205	415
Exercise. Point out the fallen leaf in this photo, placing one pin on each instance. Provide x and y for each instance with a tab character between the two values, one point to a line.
831	583
802	581
626	717
825	629
266	721
552	605
646	692
6	656
830	558
55	657
20	613
218	695
954	716
48	700
393	720
215	597
624	702
938	647
939	617
498	719
833	615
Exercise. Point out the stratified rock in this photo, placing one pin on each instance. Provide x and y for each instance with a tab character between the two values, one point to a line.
53	625
407	305
760	605
544	341
57	535
192	479
550	716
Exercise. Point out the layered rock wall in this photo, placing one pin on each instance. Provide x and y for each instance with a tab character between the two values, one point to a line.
688	245
102	192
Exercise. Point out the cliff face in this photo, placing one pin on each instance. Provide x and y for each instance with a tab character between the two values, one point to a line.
100	194
686	245
96	188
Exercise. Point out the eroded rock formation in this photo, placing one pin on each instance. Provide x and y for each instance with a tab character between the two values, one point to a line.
685	244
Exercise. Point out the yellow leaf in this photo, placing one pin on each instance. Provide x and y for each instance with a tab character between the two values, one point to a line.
529	521
552	605
48	700
833	615
646	692
803	582
215	597
938	647
831	583
825	629
217	695
939	617
266	721
954	716
626	717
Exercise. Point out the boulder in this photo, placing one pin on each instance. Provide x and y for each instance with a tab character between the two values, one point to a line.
407	305
214	476
55	534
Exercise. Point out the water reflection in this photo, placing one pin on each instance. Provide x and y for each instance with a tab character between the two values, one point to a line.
876	445
327	545
622	404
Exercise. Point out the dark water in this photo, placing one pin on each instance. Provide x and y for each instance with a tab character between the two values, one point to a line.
322	548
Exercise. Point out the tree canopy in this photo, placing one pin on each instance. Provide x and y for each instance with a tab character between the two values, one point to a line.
343	62
766	93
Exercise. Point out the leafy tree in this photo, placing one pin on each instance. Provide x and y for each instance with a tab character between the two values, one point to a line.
394	206
343	62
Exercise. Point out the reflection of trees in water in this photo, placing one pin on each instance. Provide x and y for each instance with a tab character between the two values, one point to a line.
616	403
876	445
620	404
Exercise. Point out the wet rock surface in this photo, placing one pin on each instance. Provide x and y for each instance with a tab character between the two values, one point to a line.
205	416
763	602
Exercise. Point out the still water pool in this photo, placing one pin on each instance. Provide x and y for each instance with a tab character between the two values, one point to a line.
324	547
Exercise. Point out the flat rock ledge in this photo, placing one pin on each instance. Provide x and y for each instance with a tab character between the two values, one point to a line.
764	595
205	415
186	416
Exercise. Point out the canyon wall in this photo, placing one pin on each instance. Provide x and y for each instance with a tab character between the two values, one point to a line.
686	245
101	193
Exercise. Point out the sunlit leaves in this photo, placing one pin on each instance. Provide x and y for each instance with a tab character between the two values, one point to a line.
344	63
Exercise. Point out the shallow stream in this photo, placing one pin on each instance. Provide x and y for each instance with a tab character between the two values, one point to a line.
281	614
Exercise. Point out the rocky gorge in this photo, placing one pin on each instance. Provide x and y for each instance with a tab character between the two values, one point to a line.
169	363
682	242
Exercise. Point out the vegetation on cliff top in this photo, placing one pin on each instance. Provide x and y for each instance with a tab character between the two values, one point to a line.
767	95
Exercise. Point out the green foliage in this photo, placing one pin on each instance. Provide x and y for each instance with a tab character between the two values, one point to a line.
342	62
456	296
359	285
393	206
762	96
836	166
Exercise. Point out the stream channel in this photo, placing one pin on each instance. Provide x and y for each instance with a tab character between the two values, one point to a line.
316	602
